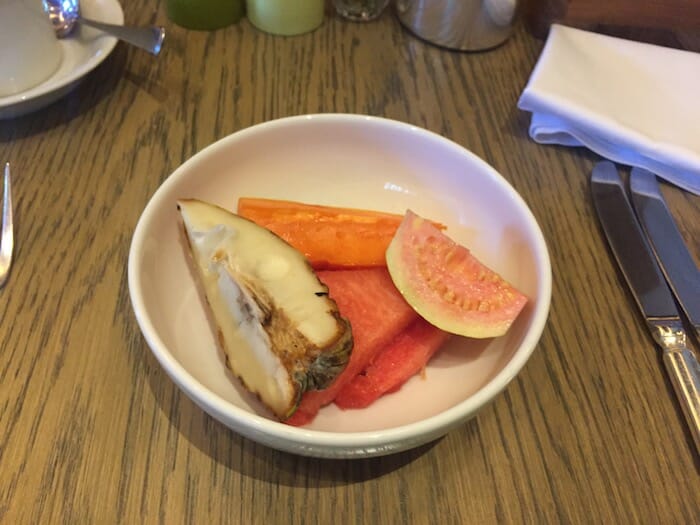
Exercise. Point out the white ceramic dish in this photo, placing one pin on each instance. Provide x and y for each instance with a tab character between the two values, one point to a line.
356	161
82	52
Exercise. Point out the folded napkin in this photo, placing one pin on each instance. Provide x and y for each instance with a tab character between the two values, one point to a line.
633	103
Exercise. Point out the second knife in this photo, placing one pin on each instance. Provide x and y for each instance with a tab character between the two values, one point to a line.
647	284
668	245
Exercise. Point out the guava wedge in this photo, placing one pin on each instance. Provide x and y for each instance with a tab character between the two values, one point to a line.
280	331
447	285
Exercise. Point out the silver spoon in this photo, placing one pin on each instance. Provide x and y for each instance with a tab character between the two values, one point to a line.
64	14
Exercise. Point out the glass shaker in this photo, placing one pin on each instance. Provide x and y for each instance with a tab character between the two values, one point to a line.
360	10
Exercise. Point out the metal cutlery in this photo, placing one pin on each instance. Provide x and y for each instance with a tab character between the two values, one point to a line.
671	252
65	14
649	288
6	228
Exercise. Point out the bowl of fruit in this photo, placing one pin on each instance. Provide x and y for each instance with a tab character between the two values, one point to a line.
339	285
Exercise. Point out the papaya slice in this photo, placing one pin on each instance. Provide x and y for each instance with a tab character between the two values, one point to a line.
447	285
330	237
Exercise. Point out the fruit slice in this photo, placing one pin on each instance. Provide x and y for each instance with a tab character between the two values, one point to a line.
403	358
377	313
330	237
281	333
447	285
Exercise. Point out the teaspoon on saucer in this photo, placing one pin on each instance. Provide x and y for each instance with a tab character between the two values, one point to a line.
65	14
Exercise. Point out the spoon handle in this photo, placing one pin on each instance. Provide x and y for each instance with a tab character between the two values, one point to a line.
148	38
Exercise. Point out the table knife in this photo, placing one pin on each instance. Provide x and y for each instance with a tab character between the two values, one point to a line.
649	288
667	242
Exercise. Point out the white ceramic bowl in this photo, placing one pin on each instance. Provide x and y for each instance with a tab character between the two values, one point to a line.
352	161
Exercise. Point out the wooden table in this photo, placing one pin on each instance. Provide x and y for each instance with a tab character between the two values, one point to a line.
93	431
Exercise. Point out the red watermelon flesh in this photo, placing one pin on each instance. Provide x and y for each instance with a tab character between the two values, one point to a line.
404	357
377	313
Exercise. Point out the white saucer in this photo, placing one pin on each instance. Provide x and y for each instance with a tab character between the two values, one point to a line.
83	51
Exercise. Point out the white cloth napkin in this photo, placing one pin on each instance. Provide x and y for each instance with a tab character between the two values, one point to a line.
633	103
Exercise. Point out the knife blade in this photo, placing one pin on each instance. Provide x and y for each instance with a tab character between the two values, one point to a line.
648	286
667	242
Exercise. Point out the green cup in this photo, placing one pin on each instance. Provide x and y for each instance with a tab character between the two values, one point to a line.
205	14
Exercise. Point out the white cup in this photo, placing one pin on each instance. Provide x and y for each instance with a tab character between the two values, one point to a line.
29	50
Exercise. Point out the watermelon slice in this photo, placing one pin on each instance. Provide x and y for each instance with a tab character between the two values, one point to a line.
404	357
377	313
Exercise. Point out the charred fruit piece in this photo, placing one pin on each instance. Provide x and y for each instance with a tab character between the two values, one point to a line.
280	331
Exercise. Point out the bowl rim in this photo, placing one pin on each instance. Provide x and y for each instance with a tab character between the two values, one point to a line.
240	419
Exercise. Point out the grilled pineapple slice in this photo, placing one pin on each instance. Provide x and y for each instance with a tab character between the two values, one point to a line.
280	331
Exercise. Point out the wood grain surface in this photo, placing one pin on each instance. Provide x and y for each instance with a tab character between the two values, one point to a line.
93	431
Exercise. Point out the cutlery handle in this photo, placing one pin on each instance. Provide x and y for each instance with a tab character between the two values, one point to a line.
148	38
684	370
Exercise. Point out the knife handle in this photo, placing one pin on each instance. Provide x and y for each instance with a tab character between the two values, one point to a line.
684	370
